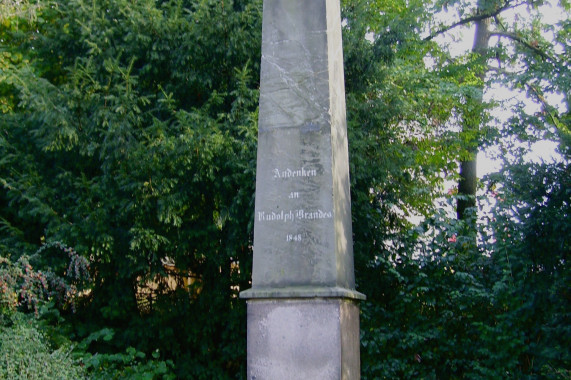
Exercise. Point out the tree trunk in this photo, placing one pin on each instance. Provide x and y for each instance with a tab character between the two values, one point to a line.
468	174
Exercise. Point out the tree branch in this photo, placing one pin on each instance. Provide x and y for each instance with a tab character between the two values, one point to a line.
473	18
528	45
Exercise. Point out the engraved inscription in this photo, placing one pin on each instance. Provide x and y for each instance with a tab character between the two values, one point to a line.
273	216
293	238
294	173
293	214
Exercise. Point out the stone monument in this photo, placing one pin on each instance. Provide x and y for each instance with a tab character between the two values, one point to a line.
303	313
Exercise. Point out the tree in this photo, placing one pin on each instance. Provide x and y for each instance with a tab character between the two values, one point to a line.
433	289
128	132
472	120
518	43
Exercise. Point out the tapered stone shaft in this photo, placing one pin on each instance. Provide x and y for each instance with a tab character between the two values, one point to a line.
303	315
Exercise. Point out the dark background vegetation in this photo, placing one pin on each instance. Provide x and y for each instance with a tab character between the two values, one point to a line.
127	166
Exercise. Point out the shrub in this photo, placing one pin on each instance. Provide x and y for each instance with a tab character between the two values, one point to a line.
26	354
24	288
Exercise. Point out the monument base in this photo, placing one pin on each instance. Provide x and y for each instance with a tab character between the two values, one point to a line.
304	338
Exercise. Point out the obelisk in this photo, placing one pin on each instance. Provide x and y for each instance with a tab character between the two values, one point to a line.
303	312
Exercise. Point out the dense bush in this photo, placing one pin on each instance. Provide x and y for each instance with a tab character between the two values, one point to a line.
25	353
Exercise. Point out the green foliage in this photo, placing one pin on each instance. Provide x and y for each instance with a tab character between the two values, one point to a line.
25	353
444	312
532	235
129	129
439	305
131	364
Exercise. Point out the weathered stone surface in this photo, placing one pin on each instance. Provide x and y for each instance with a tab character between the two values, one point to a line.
303	339
302	230
303	317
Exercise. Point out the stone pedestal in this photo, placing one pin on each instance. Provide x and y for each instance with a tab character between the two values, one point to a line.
303	339
303	316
